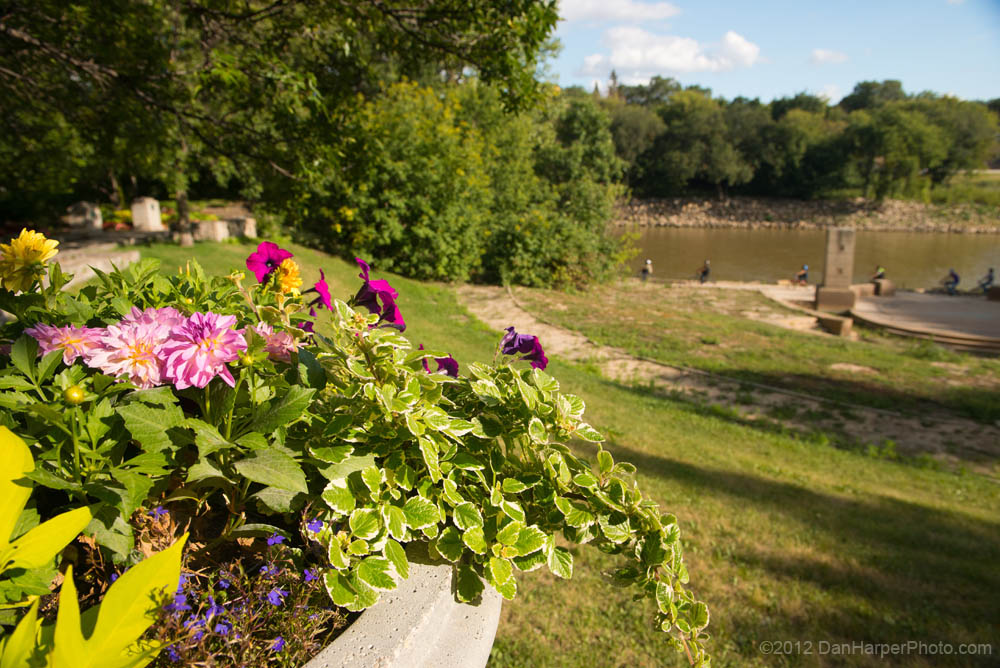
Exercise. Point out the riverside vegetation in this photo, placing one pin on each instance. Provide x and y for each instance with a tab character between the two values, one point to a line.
785	536
265	413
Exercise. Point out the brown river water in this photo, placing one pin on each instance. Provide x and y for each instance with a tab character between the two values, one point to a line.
912	259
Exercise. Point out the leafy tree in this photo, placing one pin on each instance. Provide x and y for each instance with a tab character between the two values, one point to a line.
872	94
634	129
656	92
696	146
248	87
804	101
969	130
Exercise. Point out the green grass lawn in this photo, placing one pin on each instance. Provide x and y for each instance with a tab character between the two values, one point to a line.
785	539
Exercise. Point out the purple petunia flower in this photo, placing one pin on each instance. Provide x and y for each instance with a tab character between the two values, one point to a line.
198	350
310	574
277	596
266	260
279	644
322	291
378	297
314	525
276	539
525	345
448	365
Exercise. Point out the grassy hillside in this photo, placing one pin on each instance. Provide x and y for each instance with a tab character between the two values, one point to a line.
786	539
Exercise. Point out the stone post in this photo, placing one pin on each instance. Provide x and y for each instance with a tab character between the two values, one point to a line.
835	293
86	215
146	215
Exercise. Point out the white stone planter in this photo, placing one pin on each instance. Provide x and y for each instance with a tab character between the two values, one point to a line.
419	625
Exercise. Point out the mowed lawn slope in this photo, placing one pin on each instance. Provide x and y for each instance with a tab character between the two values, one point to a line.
785	539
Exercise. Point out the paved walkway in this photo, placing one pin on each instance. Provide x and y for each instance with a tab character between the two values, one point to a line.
941	316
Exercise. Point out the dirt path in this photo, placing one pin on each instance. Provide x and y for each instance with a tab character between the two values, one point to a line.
946	438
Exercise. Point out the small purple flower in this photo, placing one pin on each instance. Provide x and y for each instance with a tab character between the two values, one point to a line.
114	576
266	260
276	539
173	655
179	604
322	291
213	608
310	574
223	583
223	627
268	569
279	644
379	297
525	345
314	525
157	512
277	596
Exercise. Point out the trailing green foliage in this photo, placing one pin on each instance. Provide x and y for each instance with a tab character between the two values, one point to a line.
478	468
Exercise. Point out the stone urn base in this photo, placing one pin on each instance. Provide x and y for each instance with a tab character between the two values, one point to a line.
418	625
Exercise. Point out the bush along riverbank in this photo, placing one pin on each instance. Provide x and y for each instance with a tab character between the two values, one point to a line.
773	213
291	444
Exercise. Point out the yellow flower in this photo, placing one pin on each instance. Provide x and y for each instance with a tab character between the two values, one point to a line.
289	279
24	258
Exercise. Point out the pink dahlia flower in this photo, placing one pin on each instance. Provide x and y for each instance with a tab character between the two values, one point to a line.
73	341
279	345
168	317
131	349
198	350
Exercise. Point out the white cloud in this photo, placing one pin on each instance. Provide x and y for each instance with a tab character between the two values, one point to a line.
636	55
831	92
827	57
618	11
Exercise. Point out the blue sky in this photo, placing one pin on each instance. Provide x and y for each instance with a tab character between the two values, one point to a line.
773	49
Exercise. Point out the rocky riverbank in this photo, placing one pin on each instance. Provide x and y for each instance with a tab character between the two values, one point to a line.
767	213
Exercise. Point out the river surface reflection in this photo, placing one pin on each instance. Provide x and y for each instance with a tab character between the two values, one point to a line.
912	259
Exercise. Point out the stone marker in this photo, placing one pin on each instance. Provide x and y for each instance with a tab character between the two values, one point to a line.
146	215
211	230
245	228
84	214
835	293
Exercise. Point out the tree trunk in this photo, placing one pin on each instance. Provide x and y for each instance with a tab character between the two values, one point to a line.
117	195
184	219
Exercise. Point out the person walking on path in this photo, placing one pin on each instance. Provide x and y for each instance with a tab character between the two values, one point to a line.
647	269
802	278
950	281
986	282
704	272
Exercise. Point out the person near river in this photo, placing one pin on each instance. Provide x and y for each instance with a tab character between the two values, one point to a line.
986	282
704	272
647	269
802	278
950	281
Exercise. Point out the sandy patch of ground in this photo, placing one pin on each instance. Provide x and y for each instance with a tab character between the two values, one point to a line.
944	437
851	368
